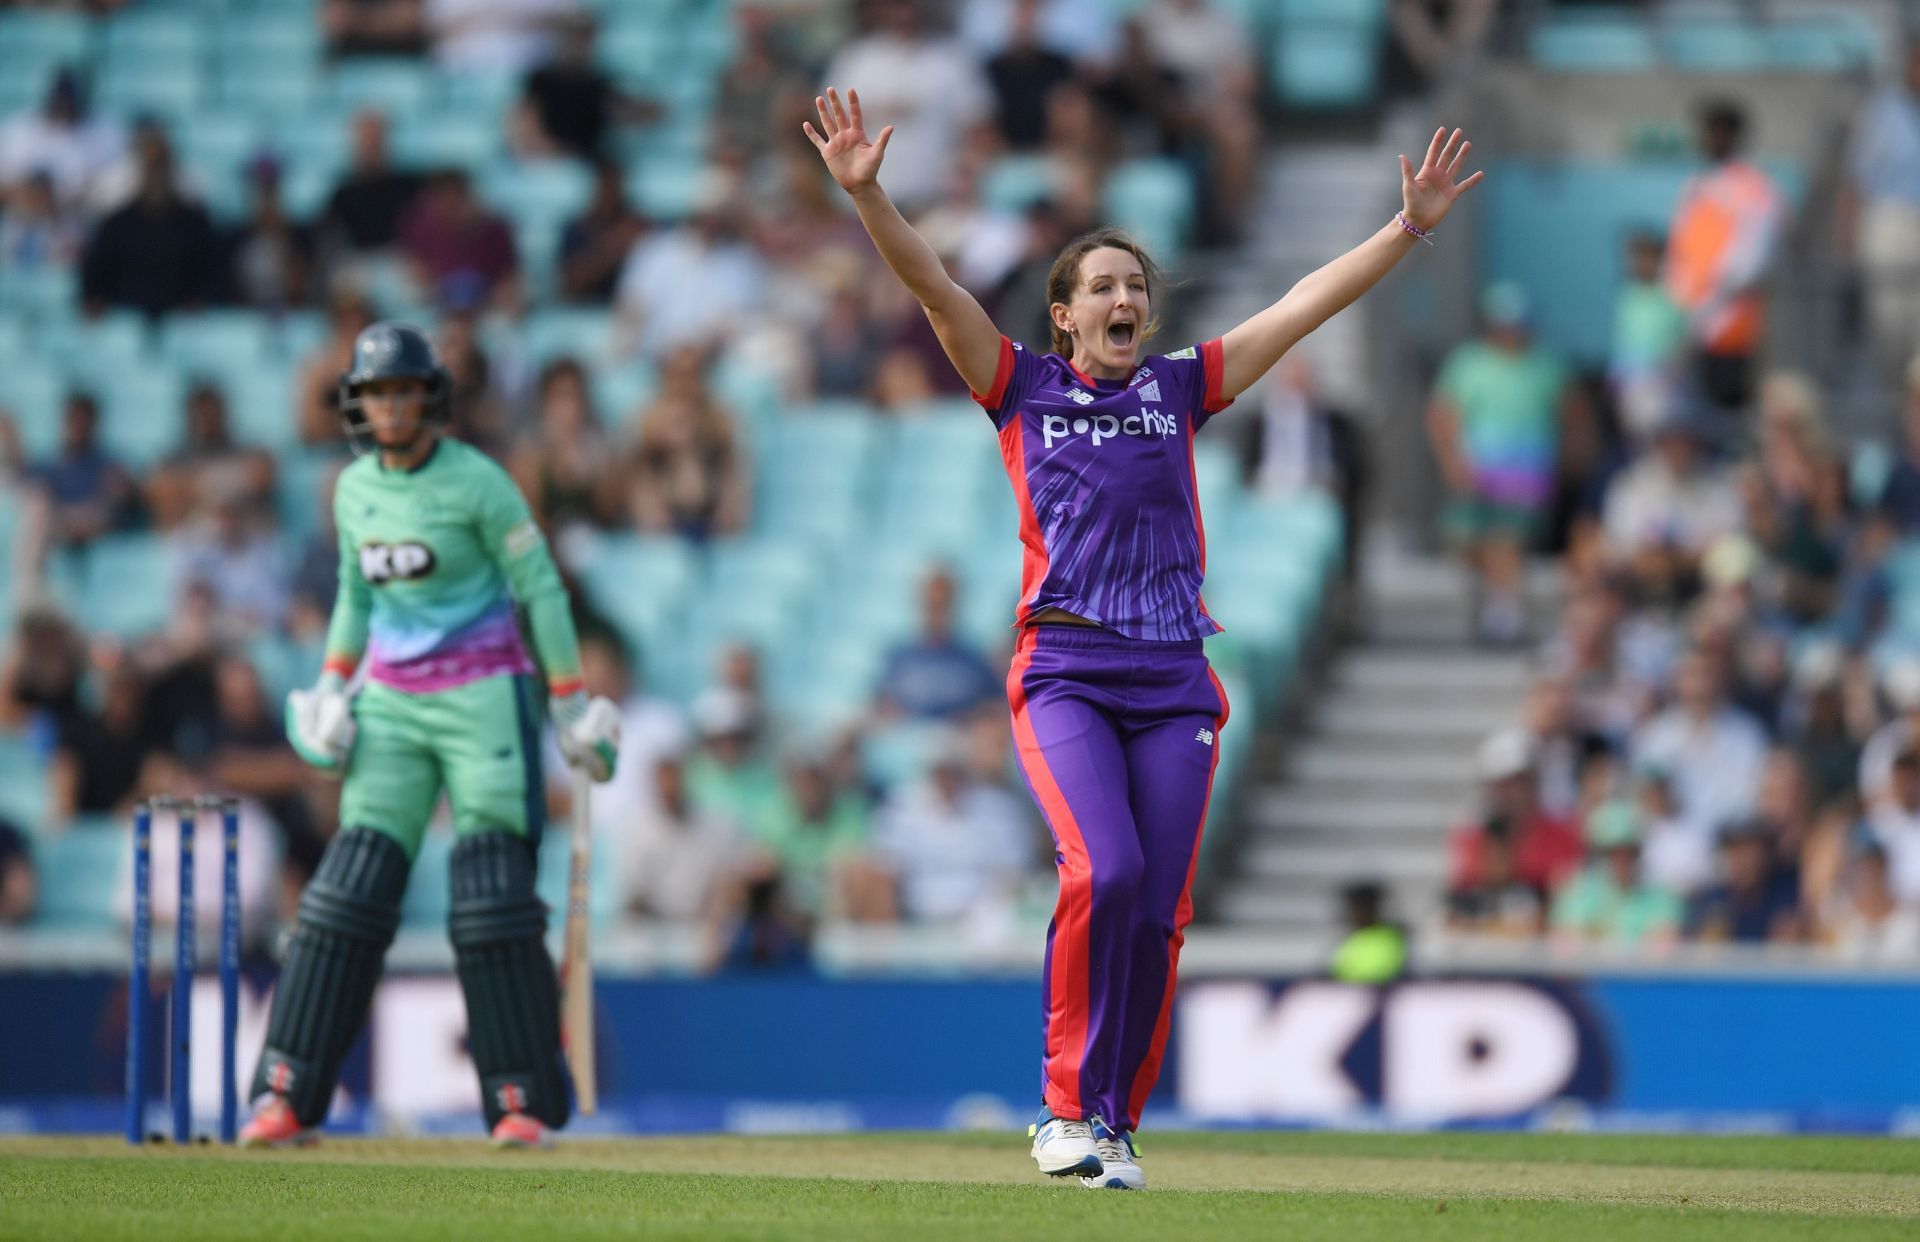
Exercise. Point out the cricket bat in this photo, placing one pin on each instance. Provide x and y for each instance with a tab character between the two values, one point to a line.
576	1002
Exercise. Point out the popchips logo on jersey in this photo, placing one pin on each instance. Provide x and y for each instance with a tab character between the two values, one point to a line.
1147	424
381	563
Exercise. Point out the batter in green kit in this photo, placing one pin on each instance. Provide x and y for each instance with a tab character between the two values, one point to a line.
439	560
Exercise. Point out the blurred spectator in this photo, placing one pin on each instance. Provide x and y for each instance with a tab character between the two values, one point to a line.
248	754
737	672
1140	103
674	854
1898	509
374	27
36	232
1868	918
458	251
495	36
845	345
61	140
1496	418
759	929
936	676
686	470
158	252
233	549
595	244
269	256
1756	901
1546	848
1713	752
209	461
1879	211
365	211
101	762
980	243
691	284
318	394
1497	902
40	673
957	848
183	698
1795	495
727	776
814	832
1303	444
570	103
1677	853
1561	744
1438	39
1649	340
19	885
86	491
926	86
1893	819
1608	902
1023	74
1816	723
1085	30
1721	242
479	410
563	465
763	94
1668	508
1215	58
1374	951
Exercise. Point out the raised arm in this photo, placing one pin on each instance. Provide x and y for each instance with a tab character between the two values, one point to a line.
1427	194
966	333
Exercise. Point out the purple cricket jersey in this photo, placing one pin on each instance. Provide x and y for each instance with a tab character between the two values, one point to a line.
1103	473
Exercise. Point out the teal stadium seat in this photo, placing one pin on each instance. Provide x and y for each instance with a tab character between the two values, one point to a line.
216	343
43	41
664	187
115	341
445	138
582	332
1832	43
1325	65
1016	182
642	585
125	587
44	293
141	410
34	394
138	36
260	406
1716	46
269	90
396	85
23	784
1603	41
81	871
170	89
621	392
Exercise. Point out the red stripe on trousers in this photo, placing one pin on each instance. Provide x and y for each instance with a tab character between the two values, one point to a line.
1149	1072
1069	979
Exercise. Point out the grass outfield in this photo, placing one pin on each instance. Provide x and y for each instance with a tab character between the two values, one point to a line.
1220	1186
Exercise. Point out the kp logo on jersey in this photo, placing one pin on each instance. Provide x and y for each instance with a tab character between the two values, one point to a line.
1146	425
381	563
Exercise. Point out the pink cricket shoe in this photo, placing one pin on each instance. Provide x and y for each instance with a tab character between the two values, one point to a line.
519	1132
274	1125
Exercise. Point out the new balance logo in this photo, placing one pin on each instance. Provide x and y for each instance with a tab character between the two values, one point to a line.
1078	397
1204	737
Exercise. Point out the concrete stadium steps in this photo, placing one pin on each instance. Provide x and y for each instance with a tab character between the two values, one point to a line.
1385	762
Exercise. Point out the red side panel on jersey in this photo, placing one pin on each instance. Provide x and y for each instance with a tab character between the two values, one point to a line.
1033	559
1002	375
1069	981
1213	363
1199	523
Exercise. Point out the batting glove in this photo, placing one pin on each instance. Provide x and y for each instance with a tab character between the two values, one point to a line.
589	733
320	722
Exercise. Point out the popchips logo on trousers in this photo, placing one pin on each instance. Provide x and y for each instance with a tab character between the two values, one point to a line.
1146	425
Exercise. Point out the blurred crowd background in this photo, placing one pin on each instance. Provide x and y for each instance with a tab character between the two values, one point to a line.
793	557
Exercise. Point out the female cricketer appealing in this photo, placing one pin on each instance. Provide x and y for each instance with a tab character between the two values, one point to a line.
1115	711
438	555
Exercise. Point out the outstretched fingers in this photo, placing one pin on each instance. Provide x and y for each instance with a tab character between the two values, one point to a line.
1470	182
827	125
1447	151
853	109
839	109
813	136
1459	158
1433	149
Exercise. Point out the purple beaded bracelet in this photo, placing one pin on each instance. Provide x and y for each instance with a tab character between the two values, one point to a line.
1425	235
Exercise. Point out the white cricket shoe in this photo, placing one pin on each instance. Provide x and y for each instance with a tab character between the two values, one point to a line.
1119	1167
1064	1148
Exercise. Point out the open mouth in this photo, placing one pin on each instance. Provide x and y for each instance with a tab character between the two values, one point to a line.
1120	334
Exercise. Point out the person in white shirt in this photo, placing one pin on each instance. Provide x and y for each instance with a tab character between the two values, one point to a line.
1664	513
673	855
61	140
930	89
1894	820
1901	686
1867	919
958	847
692	284
1714	751
495	36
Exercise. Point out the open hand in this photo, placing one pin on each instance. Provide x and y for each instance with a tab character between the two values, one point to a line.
1427	194
851	158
